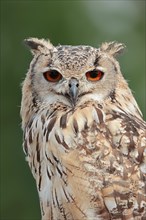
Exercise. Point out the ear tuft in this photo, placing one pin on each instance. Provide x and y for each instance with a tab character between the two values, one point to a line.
38	45
112	48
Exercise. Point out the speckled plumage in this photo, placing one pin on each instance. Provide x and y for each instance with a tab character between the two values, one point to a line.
88	157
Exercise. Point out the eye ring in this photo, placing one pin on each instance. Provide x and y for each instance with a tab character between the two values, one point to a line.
52	76
94	75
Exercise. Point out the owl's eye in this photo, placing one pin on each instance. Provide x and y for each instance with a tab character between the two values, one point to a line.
52	76
94	75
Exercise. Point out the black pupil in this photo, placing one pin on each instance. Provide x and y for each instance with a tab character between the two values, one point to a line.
54	74
93	74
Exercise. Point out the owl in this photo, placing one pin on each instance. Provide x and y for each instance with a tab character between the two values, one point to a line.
84	136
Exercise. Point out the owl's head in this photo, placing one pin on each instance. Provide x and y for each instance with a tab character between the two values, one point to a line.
72	74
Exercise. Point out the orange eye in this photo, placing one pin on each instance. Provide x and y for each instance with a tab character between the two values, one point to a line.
94	75
52	76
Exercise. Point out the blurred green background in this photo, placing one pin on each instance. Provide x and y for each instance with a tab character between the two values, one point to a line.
64	22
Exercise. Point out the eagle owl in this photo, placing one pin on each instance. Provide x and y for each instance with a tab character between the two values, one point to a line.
84	136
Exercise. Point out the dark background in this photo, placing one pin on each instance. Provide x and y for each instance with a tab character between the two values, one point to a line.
64	22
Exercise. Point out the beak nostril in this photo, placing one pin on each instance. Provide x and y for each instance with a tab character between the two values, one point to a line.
73	84
77	85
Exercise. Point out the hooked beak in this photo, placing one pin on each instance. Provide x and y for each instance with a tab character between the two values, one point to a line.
73	90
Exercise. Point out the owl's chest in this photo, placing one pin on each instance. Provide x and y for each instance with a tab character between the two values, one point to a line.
82	130
89	131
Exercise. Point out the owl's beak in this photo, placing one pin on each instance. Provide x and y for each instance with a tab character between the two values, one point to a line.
73	90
